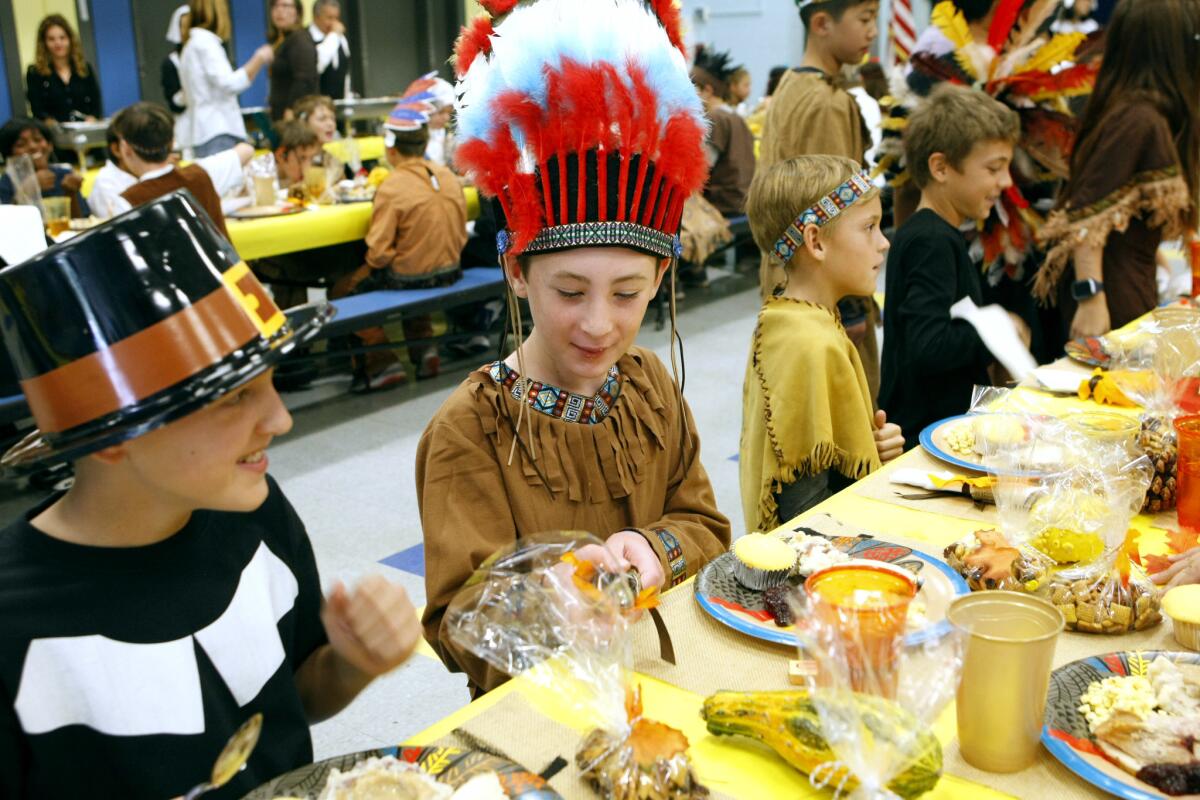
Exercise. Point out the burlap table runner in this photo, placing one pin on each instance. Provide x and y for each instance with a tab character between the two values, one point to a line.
711	657
515	730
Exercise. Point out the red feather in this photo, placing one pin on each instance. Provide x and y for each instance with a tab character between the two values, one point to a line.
1014	196
1078	79
498	8
1004	17
584	92
525	209
677	159
668	15
474	39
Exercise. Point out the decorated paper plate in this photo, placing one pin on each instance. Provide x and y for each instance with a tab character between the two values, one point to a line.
1089	350
937	440
448	764
258	212
1065	732
742	609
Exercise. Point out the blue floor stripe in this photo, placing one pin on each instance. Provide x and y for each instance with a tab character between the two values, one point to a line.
410	560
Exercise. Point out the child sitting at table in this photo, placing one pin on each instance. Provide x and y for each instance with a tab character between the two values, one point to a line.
112	179
418	229
808	427
31	137
172	592
958	145
317	112
146	132
298	149
578	428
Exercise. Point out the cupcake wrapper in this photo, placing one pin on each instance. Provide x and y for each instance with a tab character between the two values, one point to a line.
759	579
1187	634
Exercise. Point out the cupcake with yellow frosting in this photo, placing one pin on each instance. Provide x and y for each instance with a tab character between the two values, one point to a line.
1182	605
761	561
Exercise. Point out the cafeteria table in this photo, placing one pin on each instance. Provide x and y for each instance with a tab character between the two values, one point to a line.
711	657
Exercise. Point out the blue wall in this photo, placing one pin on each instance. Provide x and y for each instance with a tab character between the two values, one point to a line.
112	22
6	107
250	33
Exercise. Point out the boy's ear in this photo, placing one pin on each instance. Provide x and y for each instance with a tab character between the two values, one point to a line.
814	243
516	276
939	167
663	265
110	455
820	23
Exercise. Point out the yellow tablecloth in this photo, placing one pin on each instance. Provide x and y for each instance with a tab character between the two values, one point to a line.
742	769
370	148
319	226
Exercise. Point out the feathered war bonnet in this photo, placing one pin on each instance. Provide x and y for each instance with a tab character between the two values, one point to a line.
581	118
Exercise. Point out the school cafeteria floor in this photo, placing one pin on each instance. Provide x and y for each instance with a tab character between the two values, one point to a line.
347	466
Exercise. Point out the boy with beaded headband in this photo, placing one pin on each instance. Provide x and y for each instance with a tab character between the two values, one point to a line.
808	427
580	118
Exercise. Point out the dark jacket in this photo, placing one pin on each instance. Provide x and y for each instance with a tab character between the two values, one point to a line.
50	98
293	73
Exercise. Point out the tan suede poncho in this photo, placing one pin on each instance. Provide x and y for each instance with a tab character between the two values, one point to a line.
806	407
629	470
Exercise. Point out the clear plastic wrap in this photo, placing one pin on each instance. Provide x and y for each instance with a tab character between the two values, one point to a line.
543	612
26	190
1070	528
1171	386
876	691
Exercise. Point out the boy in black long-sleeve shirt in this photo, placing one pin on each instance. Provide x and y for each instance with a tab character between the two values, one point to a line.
958	146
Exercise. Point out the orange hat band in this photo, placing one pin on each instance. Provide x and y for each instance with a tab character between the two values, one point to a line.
155	358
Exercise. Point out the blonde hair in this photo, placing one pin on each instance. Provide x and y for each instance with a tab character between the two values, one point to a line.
785	191
305	106
952	121
212	15
42	55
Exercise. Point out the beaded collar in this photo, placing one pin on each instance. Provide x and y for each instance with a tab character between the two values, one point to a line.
555	402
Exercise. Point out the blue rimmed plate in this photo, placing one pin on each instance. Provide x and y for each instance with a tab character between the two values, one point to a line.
935	441
448	765
733	605
1065	732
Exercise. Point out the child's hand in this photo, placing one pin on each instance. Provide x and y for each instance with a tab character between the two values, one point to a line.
625	550
1184	569
375	629
632	547
888	439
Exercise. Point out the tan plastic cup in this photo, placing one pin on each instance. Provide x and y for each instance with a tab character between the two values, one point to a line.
56	212
264	190
1010	638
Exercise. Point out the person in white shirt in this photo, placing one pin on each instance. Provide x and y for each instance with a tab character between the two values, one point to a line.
333	49
212	121
440	149
111	181
169	71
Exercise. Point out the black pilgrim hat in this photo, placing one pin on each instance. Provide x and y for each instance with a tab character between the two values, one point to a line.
134	324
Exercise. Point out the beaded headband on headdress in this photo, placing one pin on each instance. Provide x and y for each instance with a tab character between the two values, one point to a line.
822	212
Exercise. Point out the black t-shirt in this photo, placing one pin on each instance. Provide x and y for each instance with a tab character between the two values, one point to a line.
124	671
930	362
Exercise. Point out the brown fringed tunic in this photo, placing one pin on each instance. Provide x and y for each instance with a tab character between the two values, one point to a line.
1127	195
626	468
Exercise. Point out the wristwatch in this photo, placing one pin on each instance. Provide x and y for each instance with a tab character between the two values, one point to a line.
1082	290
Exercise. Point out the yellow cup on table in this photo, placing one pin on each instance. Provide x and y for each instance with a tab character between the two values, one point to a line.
56	213
1009	646
264	190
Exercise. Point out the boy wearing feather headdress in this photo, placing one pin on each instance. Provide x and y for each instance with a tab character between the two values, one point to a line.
730	144
812	114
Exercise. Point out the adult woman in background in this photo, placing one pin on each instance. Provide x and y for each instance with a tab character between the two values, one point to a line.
212	121
60	85
1135	171
294	71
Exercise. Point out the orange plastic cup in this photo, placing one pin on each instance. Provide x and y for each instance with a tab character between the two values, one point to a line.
867	606
1188	479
